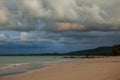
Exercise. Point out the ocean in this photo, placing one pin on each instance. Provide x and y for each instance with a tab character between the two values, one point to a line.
7	61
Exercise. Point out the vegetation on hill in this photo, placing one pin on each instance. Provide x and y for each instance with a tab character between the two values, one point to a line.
101	51
116	50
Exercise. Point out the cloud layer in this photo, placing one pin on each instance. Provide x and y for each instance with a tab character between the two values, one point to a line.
80	23
82	15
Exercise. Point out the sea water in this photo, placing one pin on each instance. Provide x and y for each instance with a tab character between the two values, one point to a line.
9	61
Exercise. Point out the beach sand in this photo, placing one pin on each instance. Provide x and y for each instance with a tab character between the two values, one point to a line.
107	68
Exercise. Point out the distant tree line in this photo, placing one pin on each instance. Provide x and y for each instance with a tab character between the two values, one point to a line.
116	50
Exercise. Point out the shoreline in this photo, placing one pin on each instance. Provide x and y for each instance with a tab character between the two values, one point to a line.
20	68
15	69
86	69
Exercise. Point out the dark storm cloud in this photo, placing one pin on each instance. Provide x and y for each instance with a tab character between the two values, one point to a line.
91	37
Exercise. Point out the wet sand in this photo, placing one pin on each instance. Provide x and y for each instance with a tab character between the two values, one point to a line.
19	68
86	69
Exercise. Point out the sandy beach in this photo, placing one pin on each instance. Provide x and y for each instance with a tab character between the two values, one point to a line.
86	69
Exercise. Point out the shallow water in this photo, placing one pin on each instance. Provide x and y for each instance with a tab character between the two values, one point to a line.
9	61
28	59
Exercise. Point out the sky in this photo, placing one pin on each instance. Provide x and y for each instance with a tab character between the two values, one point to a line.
61	25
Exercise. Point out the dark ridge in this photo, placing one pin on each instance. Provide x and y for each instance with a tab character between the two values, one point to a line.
100	51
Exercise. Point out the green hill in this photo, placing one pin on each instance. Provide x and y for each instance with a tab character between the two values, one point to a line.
116	50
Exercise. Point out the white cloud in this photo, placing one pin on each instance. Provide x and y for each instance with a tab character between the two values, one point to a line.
24	36
32	6
3	37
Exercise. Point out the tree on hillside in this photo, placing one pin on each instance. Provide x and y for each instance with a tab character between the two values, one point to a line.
116	50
